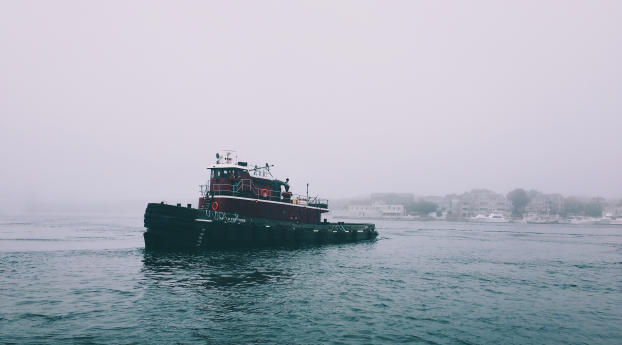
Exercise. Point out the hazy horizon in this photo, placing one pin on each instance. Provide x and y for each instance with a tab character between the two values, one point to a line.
130	101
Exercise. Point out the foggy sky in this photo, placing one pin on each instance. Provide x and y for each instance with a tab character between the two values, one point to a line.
113	100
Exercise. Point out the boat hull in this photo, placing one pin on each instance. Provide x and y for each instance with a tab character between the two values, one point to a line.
176	227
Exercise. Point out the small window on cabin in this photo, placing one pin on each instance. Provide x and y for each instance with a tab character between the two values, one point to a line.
212	173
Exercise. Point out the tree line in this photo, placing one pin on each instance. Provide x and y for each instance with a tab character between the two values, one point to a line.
421	207
593	207
520	200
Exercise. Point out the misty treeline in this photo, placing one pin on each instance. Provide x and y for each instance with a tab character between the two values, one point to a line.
421	208
520	203
567	206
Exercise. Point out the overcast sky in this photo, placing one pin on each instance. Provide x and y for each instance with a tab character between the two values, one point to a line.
117	100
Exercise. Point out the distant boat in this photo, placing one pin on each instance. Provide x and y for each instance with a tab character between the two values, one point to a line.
542	220
491	218
581	220
609	221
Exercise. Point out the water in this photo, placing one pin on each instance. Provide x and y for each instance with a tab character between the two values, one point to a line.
86	279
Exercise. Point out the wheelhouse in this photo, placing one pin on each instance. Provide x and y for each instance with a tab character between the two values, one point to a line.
233	178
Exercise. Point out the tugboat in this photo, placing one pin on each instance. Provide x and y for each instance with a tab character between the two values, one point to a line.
246	207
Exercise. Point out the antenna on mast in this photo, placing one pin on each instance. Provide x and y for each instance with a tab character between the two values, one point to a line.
262	170
268	169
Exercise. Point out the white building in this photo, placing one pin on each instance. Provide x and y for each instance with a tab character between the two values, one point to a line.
479	202
375	210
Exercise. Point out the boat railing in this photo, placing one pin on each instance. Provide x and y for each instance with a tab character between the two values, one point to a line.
246	188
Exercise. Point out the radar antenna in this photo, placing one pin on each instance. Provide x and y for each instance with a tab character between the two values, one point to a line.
265	168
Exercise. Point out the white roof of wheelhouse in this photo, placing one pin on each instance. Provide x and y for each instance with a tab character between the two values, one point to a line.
227	166
235	166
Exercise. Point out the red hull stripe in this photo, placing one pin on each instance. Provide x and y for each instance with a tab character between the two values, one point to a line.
270	201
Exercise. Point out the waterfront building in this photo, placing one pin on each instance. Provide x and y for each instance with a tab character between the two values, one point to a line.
479	202
545	204
613	211
376	209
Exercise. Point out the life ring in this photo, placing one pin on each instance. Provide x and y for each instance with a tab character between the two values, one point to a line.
264	192
214	205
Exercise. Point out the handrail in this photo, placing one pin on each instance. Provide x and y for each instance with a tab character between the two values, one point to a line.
246	187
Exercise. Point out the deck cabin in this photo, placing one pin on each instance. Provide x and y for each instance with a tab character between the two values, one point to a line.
235	188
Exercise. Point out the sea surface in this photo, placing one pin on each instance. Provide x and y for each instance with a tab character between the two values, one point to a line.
86	279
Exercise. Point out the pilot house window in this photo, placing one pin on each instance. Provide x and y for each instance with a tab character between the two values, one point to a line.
225	173
222	172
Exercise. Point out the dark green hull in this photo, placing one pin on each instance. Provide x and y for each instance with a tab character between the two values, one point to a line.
176	227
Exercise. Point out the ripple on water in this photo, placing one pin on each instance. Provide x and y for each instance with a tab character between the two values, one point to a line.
419	282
